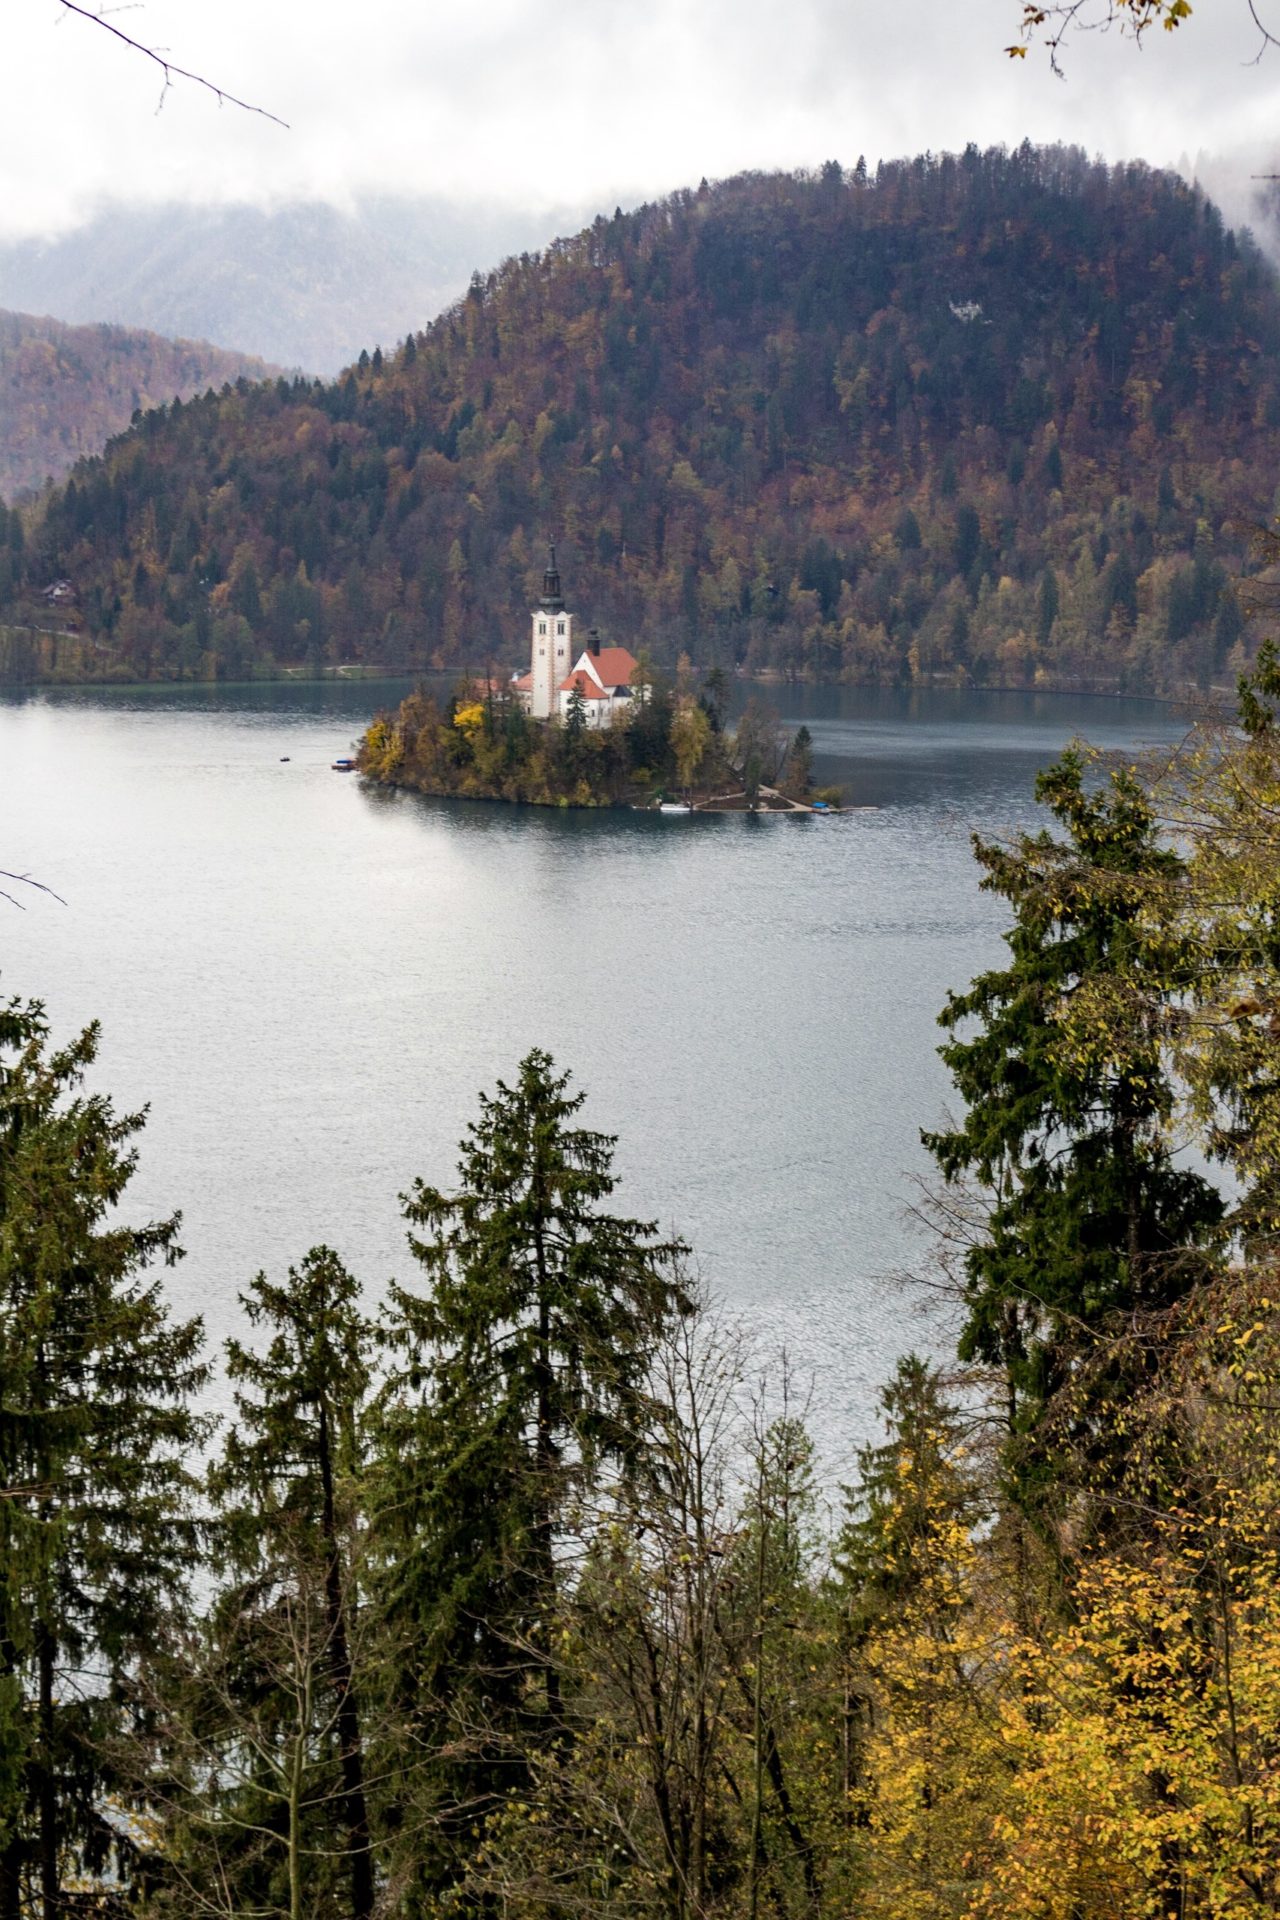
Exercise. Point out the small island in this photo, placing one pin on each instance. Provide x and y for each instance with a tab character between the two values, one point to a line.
603	729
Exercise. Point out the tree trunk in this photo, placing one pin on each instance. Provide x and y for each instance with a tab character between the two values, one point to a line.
544	1461
14	1851
47	1793
757	1728
297	1765
11	1880
355	1812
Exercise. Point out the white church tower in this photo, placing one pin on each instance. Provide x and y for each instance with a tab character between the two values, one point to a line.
552	646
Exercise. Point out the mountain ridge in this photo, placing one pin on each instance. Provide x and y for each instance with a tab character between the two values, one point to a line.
66	390
304	285
990	417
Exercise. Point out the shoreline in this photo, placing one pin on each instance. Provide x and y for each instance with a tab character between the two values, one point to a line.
351	673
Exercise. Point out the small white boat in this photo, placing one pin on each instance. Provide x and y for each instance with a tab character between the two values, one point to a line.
674	806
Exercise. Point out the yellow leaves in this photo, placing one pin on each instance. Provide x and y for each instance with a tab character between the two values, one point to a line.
1134	1737
469	718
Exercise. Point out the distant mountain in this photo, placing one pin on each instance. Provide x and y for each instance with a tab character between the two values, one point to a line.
65	391
996	417
304	285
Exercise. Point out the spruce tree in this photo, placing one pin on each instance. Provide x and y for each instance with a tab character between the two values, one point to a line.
96	1529
1060	1059
917	1479
521	1376
266	1731
915	1496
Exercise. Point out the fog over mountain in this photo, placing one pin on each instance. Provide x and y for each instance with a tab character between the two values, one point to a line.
304	285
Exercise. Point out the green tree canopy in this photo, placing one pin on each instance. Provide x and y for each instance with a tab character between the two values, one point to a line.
1059	1057
521	1378
97	1531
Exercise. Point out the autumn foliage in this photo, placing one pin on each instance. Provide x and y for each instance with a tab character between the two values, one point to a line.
993	417
531	1594
65	391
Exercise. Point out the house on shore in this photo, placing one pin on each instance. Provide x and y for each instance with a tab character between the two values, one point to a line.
601	679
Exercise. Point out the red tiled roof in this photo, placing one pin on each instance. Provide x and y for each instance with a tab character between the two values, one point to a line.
523	683
586	686
613	666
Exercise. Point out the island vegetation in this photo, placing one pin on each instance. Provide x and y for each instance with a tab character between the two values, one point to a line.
524	1594
482	744
990	418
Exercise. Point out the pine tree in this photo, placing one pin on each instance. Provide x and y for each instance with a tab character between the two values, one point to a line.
915	1496
96	1530
522	1377
1069	1097
907	1484
798	768
287	1490
767	1588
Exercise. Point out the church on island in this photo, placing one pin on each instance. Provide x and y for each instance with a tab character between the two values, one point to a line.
601	678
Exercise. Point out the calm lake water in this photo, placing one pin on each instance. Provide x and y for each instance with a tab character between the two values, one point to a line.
310	981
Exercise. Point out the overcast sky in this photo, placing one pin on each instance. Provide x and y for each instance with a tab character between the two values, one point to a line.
581	102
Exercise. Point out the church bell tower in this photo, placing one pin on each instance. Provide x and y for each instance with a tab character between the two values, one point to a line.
551	645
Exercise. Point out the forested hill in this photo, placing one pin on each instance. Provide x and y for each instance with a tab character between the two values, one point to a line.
995	416
65	390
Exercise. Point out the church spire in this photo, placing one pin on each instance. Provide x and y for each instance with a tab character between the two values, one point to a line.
552	599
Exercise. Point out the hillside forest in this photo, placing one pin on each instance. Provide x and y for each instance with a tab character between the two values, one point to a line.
997	417
525	1591
65	391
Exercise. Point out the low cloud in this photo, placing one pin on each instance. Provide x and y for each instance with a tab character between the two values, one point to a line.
584	101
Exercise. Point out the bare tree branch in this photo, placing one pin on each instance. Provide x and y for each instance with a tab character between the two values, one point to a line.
1051	21
169	68
25	880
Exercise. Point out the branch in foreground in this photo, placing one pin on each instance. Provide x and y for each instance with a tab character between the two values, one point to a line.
25	880
169	68
1052	20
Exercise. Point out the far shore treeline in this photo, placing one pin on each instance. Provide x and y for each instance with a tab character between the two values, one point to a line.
526	1595
994	418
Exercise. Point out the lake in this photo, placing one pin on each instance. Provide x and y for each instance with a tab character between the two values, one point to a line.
309	981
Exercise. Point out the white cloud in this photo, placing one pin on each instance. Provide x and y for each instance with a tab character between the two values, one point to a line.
581	100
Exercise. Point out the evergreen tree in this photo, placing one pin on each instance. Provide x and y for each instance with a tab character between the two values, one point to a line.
768	1590
907	1484
798	768
282	1630
96	1533
1047	606
292	1464
522	1376
1069	1098
915	1498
